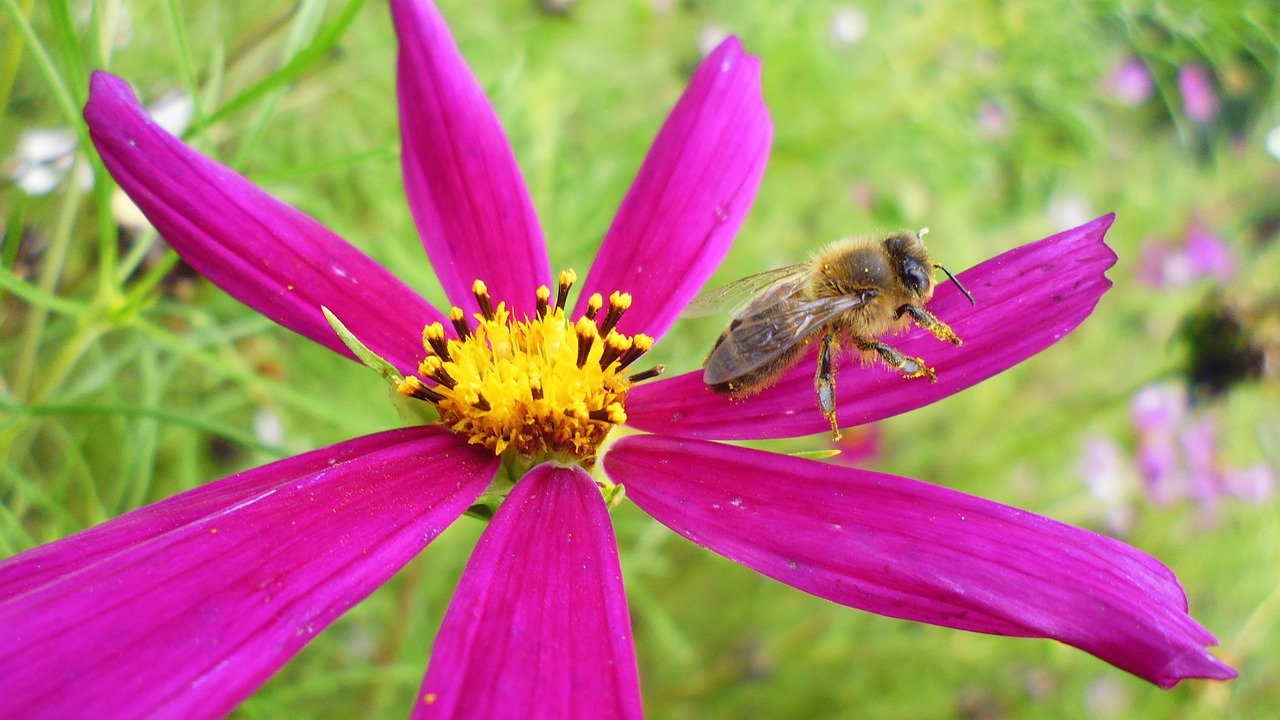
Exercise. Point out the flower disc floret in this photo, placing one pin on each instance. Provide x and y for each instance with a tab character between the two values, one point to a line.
543	387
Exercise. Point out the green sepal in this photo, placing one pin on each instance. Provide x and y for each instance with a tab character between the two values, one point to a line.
370	359
413	411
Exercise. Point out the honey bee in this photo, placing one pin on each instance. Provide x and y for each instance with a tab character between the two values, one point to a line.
866	287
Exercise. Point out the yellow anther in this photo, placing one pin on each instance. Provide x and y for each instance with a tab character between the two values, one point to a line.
622	301
594	303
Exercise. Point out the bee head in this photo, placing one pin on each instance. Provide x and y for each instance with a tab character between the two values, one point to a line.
911	263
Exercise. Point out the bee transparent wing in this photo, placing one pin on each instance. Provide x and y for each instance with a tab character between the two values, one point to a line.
769	327
734	296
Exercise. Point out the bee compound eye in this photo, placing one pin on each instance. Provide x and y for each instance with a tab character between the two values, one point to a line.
915	275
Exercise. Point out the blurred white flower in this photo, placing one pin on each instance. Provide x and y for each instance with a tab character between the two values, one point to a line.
1273	142
1065	211
43	157
849	26
268	427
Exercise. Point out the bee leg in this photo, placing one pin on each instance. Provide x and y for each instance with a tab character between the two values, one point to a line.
912	367
926	320
824	383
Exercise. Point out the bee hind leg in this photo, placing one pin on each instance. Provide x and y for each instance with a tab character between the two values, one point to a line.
824	383
911	367
926	320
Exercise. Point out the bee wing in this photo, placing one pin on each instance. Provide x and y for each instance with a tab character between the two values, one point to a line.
734	296
771	325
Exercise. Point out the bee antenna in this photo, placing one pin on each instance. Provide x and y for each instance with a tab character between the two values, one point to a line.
957	282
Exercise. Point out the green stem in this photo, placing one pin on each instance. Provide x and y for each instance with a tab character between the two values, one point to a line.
50	273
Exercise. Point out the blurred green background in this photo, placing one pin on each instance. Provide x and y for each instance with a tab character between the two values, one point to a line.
125	379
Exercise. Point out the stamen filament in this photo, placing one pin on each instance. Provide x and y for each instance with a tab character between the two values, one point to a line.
481	292
567	279
544	297
586	331
618	304
594	303
643	375
459	320
640	344
433	336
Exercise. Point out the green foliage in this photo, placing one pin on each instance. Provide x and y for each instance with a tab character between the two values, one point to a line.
124	379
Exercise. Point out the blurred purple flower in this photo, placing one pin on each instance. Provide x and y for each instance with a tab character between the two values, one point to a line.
1208	254
1253	484
1158	411
1199	98
1200	255
184	607
1131	82
1178	453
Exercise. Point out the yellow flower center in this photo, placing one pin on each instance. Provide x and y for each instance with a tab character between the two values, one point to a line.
543	387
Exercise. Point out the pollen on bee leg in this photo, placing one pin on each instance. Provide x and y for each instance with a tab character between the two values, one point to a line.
915	367
930	322
824	382
911	367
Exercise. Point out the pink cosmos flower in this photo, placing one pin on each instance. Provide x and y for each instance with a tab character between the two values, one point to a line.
184	607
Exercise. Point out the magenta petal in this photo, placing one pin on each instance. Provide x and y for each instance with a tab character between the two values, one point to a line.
693	191
183	608
270	256
1028	299
465	190
538	627
912	550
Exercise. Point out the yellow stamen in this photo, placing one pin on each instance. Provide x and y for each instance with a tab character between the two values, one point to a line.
594	303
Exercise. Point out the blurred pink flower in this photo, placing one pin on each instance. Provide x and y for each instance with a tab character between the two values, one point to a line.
1131	82
1201	255
1178	453
1199	98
